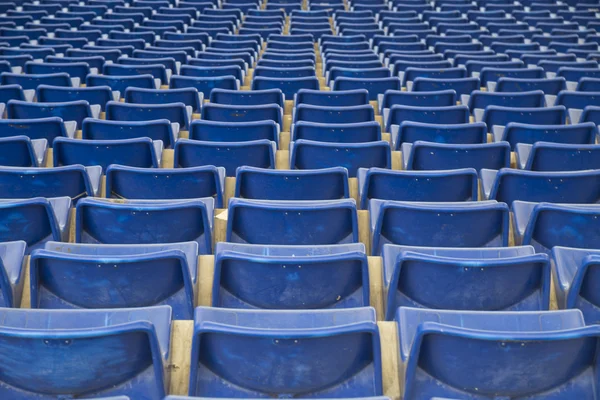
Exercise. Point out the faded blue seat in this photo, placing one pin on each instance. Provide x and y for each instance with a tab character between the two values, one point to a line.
91	276
290	277
375	86
204	84
442	351
120	83
292	222
336	350
430	186
104	221
548	85
452	224
37	128
486	279
136	341
481	100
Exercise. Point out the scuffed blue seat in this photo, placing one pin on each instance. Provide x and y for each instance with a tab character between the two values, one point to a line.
437	156
485	279
91	276
136	341
346	98
545	225
292	222
308	154
21	151
35	220
453	224
443	349
269	184
576	274
431	186
165	183
126	222
174	112
242	113
339	133
410	132
514	133
12	272
74	181
316	352
544	156
218	131
333	115
508	185
230	155
159	129
247	98
290	277
140	152
69	111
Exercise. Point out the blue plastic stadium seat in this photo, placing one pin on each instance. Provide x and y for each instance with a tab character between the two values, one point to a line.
120	83
136	341
289	86
410	74
166	183
441	98
588	85
307	154
290	277
140	152
230	155
514	133
35	220
508	185
247	98
69	111
334	353
575	271
481	100
217	131
437	156
430	186
550	86
72	276
488	279
502	116
410	132
126	222
159	129
334	115
268	184
73	181
37	128
431	115
338	133
11	92
544	156
332	99
460	85
74	70
96	95
454	224
292	222
576	102
32	81
545	225
188	96
375	86
204	84
12	272
21	151
442	351
242	113
174	112
157	71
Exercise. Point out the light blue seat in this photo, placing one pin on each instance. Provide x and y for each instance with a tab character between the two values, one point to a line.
486	279
91	276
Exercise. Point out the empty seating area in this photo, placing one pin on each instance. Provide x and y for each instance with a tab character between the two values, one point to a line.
374	199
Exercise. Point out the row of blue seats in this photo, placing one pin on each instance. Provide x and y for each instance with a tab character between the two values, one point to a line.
325	353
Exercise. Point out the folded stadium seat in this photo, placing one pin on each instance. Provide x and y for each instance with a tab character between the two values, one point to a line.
32	34
281	63
286	56
188	96
32	81
287	73
242	113
353	337
468	133
157	71
575	272
125	222
267	184
139	152
431	186
501	40
14	92
292	222
230	155
217	131
492	279
438	156
121	270
247	98
294	46
328	46
174	112
124	18
514	343
69	111
508	185
175	36
433	40
104	29
178	55
75	181
37	128
12	273
233	283
307	154
96	95
346	98
49	216
398	114
502	116
460	86
350	65
573	75
501	47
135	340
338	132
574	48
108	54
544	156
225	54
452	224
333	115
